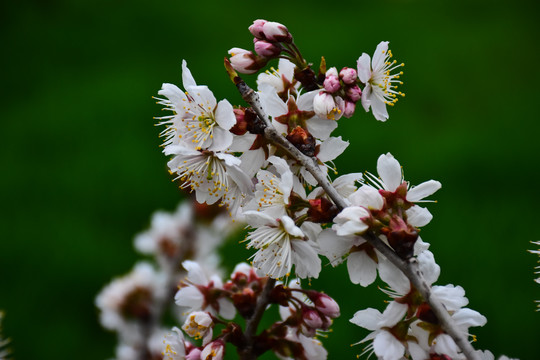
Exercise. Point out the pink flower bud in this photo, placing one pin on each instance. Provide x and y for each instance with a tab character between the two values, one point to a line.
194	354
214	351
331	83
267	49
326	106
243	61
274	31
256	28
348	75
312	318
350	107
325	304
354	93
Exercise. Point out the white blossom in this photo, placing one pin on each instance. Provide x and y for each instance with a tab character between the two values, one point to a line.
380	84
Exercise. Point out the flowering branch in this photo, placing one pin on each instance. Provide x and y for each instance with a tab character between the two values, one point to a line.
409	268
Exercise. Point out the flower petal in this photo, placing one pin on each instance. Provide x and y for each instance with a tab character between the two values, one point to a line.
390	171
225	115
364	68
423	190
362	269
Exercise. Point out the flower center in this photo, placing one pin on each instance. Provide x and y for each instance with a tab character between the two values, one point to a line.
384	83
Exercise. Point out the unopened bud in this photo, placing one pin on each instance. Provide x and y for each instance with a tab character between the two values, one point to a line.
312	318
256	28
324	303
353	93
350	107
274	31
244	61
331	83
194	354
326	106
267	49
348	75
302	140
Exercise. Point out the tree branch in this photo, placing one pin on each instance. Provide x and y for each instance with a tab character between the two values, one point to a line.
252	323
409	268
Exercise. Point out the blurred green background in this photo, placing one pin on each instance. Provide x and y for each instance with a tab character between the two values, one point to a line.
82	171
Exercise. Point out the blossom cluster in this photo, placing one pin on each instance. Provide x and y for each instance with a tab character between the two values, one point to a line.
270	164
135	304
208	302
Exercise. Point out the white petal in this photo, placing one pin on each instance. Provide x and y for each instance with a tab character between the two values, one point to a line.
290	227
423	190
304	257
368	319
333	246
286	69
331	149
257	219
321	128
418	216
225	115
362	269
203	97
378	106
466	318
390	171
391	275
453	297
387	347
416	351
195	272
429	267
366	97
252	161
305	101
187	78
190	297
271	102
379	56
368	197
393	314
226	309
221	140
443	344
364	68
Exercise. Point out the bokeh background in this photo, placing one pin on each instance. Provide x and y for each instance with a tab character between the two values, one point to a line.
82	171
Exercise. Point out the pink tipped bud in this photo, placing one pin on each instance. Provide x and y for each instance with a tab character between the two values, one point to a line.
274	31
214	351
312	318
194	354
324	303
267	49
348	75
243	61
350	107
326	106
256	28
331	83
353	93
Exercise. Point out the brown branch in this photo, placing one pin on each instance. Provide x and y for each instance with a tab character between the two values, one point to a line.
247	353
409	268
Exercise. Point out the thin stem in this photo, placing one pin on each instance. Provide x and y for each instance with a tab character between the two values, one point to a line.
252	323
409	268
